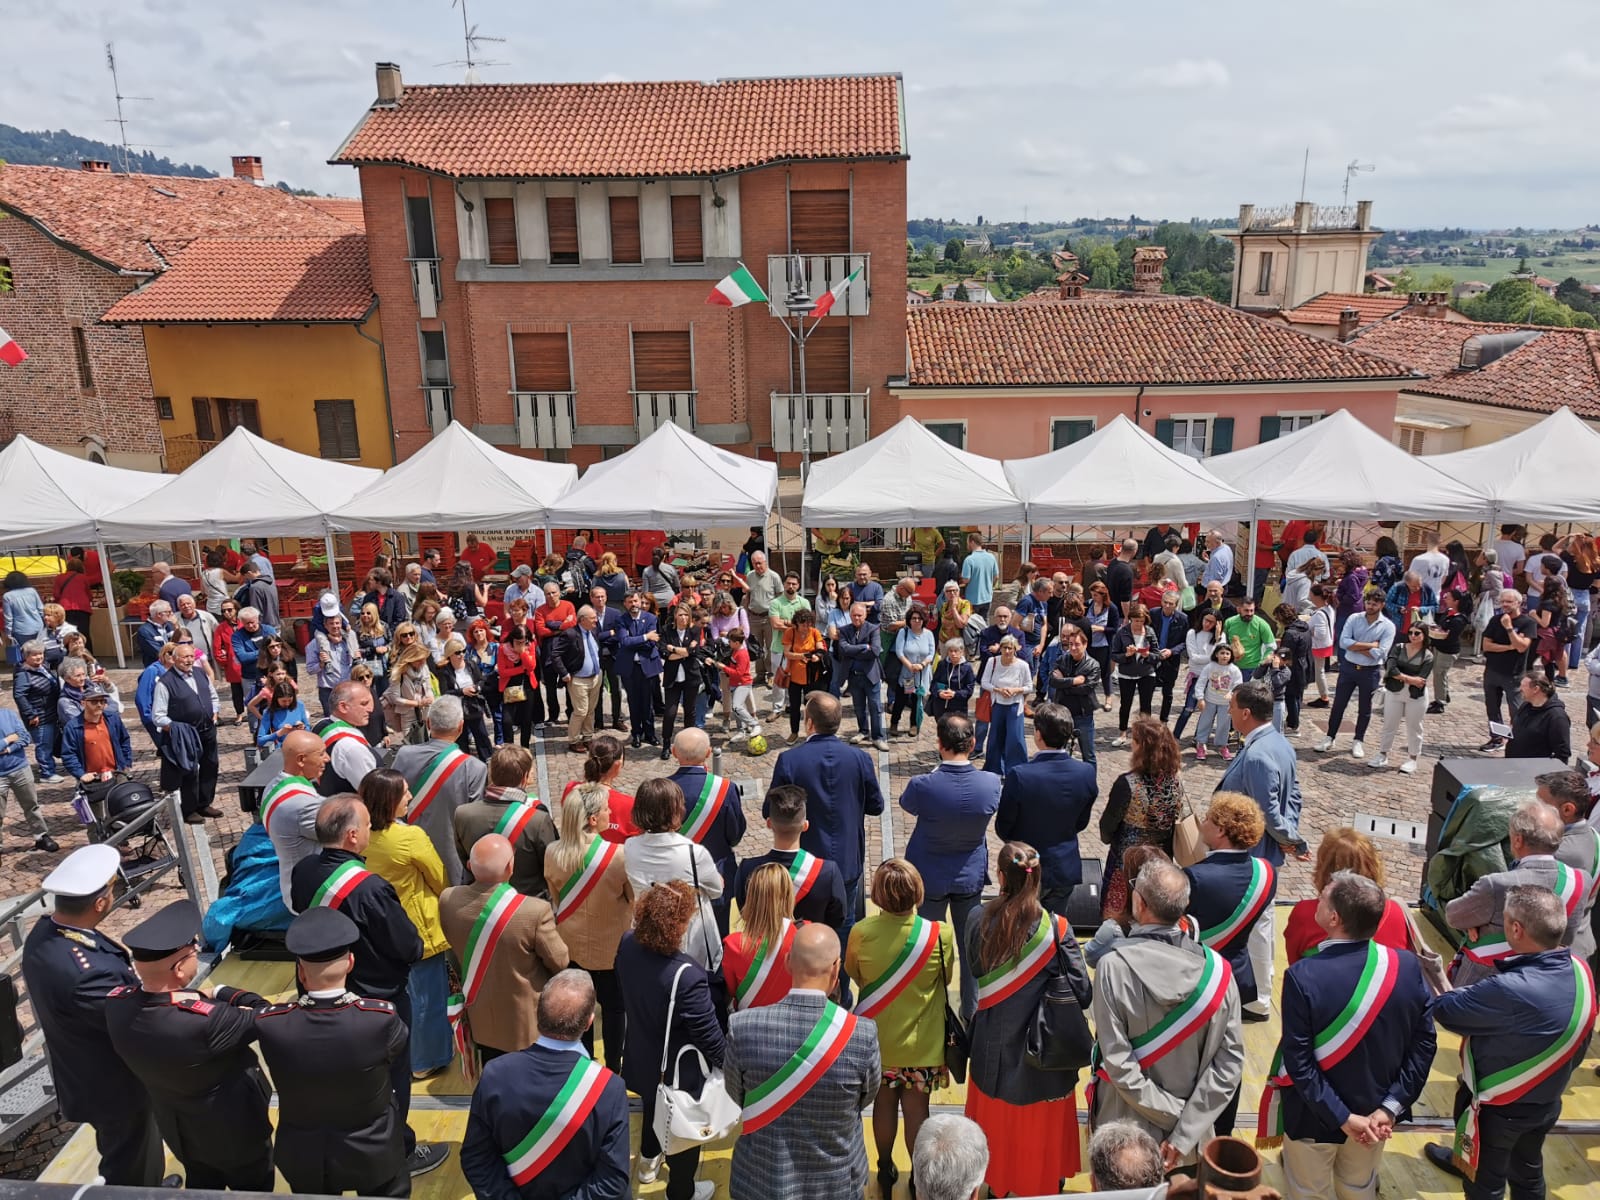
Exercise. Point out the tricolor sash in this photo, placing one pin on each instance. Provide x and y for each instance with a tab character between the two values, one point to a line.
1514	1082
1489	949
762	967
444	765
1006	979
823	1045
1372	992
1257	895
1571	886
286	788
346	877
515	819
566	1114
886	988
706	807
499	907
805	870
581	884
338	731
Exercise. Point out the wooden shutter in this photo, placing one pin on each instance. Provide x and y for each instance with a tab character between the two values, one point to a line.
625	229
819	222
561	221
1064	433
1164	432
540	363
203	428
1271	427
501	216
662	362
688	239
1221	435
827	359
336	429
233	413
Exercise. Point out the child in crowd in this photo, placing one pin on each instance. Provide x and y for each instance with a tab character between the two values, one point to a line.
284	715
1215	685
1320	619
739	677
1277	672
274	675
1198	644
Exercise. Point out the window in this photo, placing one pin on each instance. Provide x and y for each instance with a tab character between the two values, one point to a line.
1410	440
435	359
233	413
954	432
625	230
827	360
663	361
819	222
419	221
561	219
688	240
1264	278
1289	422
1197	437
1066	430
80	349
540	362
336	429
500	215
164	408
8	277
204	430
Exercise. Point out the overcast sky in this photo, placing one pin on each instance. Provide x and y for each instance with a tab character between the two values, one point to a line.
1472	112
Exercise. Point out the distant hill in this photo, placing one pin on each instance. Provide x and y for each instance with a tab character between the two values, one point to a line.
58	148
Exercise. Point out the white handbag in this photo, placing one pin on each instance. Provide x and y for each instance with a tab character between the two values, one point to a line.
683	1120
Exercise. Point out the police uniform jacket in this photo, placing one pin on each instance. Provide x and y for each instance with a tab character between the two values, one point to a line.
1217	884
728	827
389	942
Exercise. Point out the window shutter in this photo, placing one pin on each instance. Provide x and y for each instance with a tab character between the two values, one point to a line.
1064	433
540	363
203	428
336	429
1164	432
662	361
827	359
625	229
1270	428
1221	435
688	241
819	222
561	221
501	216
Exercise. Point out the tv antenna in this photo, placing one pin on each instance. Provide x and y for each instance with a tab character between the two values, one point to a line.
120	121
1355	168
473	41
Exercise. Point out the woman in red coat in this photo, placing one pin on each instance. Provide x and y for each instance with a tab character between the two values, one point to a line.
1343	850
518	668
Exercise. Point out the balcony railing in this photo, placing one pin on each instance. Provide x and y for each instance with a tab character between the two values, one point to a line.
183	450
437	397
545	420
652	410
819	273
425	285
836	421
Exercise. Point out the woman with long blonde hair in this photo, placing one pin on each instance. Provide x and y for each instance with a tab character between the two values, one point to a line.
755	959
410	691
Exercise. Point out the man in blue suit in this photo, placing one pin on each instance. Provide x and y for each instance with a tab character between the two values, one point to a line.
856	648
608	632
1350	1085
638	662
692	748
1046	802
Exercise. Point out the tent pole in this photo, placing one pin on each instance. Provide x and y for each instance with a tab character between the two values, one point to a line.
549	542
333	570
1027	534
1250	562
111	602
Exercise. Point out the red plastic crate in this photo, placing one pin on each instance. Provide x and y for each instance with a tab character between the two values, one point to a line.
444	543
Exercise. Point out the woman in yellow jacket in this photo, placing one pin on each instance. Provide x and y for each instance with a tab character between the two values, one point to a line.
906	997
404	856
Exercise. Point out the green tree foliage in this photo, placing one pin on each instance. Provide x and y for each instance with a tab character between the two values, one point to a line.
1407	280
1520	302
1570	291
1103	267
58	148
961	292
952	250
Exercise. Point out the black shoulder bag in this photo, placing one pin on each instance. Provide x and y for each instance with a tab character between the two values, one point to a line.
957	1042
1059	1038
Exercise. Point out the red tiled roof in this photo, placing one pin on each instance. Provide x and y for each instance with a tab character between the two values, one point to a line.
347	210
257	279
614	130
1116	342
136	222
1324	309
1559	366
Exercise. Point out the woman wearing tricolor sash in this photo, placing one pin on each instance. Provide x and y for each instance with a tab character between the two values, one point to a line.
1029	1116
902	965
1230	887
755	958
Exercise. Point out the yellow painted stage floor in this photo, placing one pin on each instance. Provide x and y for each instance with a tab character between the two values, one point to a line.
439	1113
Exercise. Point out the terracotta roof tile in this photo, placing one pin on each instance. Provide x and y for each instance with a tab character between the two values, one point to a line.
137	222
346	209
1325	308
613	130
257	279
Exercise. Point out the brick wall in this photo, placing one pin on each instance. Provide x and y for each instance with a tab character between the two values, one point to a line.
55	290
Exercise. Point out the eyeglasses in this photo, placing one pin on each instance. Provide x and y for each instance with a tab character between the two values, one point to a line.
408	634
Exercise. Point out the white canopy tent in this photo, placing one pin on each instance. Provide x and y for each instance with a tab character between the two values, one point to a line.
908	476
672	478
1540	474
458	481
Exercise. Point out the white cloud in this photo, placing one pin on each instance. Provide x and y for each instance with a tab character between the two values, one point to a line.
1578	65
1130	165
1492	113
1185	73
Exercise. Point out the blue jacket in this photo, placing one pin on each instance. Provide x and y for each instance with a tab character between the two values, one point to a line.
72	744
276	722
960	679
632	648
1264	770
858	650
645	980
15	756
246	646
1177	632
725	831
1390	1062
953	804
824	902
144	696
841	793
608	633
36	691
1394	604
1040	610
149	638
1046	802
1217	885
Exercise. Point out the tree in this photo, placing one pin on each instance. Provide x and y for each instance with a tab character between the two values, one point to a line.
1518	301
1102	267
1571	293
952	250
961	291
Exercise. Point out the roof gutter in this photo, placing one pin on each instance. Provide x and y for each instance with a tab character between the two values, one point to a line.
720	172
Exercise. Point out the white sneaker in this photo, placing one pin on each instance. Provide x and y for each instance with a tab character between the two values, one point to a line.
1324	745
1119	741
1357	750
649	1168
1408	767
704	1190
881	744
1381	761
861	739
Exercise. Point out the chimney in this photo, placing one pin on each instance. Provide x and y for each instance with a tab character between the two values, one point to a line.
1349	319
1147	268
1247	214
1432	305
1071	285
1363	214
1302	215
390	89
248	166
95	166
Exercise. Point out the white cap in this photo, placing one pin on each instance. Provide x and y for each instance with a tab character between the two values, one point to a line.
329	604
84	872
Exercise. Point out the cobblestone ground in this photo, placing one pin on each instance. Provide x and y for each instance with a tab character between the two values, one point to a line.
1335	786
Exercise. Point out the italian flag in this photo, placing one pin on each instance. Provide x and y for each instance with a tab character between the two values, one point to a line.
12	354
737	289
829	298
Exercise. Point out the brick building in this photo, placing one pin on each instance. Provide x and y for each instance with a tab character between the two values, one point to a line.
543	254
76	243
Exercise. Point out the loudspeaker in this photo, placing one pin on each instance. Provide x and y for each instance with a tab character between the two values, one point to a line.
1083	905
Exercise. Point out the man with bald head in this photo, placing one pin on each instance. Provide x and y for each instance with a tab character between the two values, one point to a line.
803	1135
713	810
289	805
508	962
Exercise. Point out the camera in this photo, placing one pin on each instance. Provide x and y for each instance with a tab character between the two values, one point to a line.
715	650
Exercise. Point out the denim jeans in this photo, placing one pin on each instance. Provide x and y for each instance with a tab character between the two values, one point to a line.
868	706
1085	727
429	989
44	747
1006	745
1213	718
1363	681
1580	611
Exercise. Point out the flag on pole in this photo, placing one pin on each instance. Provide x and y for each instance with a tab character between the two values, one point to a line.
10	353
739	288
829	298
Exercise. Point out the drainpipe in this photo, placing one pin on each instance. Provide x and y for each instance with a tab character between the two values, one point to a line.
383	368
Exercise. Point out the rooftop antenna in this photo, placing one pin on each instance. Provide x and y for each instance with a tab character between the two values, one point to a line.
1304	167
473	41
1356	167
120	121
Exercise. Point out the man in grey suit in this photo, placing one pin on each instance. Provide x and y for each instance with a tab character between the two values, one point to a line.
804	1144
433	806
1568	793
1480	913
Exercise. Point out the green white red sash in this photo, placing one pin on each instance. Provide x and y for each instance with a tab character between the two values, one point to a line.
907	965
805	870
286	788
338	731
1571	886
763	967
566	1114
444	765
1009	977
1189	926
1371	993
571	894
346	877
1257	895
1489	949
823	1045
514	820
1516	1081
706	807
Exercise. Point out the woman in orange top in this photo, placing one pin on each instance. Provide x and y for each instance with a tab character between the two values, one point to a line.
804	659
755	959
600	771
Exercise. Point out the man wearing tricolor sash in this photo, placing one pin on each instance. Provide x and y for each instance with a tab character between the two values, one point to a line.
803	1070
508	809
1524	1028
549	1122
1166	1019
290	803
1231	887
1535	836
713	810
350	758
443	777
1568	793
1357	1046
819	893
